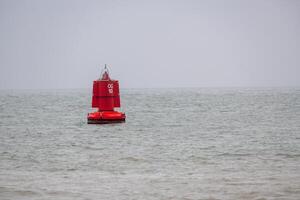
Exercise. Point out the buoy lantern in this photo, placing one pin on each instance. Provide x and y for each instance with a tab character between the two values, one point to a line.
106	97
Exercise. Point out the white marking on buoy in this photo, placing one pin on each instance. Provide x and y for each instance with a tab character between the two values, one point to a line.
110	88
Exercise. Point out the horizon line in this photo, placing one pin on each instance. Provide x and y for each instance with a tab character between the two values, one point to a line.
180	87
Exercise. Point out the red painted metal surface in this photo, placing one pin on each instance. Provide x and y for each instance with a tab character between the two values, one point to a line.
106	94
103	95
106	97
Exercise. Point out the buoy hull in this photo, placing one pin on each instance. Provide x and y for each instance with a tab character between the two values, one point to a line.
105	117
106	97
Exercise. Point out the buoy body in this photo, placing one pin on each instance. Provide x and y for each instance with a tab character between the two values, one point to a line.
106	97
106	94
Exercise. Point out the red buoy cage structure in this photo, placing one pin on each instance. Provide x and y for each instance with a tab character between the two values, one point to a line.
106	97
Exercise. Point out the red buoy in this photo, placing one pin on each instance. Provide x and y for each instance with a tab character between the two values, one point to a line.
106	97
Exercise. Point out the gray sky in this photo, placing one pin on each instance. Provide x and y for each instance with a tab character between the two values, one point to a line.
64	44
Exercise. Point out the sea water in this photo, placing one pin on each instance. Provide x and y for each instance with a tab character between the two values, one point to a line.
189	143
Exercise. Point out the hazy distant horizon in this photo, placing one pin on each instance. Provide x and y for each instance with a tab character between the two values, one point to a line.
149	44
257	88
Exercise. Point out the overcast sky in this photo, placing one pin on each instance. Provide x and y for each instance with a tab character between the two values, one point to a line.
65	44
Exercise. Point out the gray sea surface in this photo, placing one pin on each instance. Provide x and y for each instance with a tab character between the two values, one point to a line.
189	143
